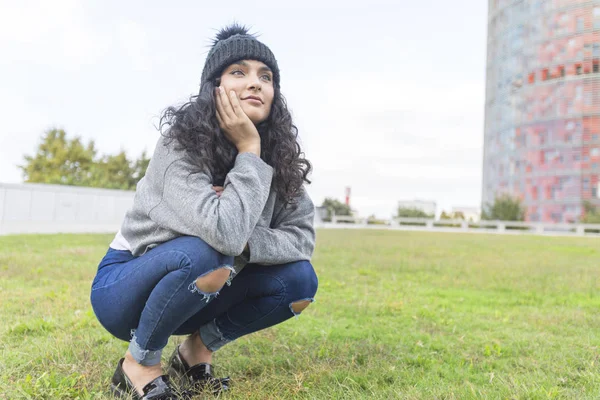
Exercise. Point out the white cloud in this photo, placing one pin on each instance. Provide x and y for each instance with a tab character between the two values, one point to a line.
132	38
62	34
375	108
404	140
56	34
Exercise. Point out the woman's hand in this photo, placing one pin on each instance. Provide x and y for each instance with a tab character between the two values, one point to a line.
235	123
218	190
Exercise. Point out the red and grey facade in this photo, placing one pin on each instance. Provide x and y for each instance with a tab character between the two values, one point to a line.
542	111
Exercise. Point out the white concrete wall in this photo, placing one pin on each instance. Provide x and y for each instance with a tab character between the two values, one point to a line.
40	208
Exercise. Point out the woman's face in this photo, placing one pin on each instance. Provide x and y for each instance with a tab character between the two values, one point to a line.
252	82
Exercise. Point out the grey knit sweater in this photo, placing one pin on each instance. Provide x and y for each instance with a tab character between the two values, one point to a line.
171	201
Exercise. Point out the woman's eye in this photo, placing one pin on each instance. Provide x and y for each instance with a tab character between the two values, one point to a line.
237	72
267	77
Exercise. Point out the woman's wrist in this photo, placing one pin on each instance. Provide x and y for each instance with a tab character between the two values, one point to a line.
250	148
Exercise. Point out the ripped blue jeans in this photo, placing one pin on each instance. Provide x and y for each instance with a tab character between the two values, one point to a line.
147	299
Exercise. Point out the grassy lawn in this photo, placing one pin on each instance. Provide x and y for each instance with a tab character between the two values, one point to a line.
401	315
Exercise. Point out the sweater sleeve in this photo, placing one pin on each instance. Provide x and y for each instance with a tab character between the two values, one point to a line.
291	237
190	206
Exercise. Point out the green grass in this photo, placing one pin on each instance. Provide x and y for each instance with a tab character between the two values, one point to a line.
402	315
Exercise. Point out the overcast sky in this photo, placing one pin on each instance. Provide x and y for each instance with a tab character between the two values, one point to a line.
388	95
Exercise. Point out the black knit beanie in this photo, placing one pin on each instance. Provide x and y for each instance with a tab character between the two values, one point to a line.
234	43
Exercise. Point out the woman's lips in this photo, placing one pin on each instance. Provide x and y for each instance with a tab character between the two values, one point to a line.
253	99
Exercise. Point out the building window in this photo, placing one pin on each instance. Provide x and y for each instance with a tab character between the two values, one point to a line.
561	71
579	24
596	68
556	217
578	69
595	152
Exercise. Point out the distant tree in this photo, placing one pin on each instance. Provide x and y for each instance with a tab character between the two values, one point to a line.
59	160
452	215
504	208
113	172
139	168
335	207
63	161
458	215
373	220
591	215
406	212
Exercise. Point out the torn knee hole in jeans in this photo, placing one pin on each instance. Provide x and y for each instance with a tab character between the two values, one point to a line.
296	307
210	286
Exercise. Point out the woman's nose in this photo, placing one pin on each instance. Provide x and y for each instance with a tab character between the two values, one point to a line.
255	84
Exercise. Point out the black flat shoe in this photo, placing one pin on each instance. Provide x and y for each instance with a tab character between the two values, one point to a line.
197	378
158	389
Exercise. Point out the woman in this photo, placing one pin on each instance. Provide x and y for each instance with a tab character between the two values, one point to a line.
221	211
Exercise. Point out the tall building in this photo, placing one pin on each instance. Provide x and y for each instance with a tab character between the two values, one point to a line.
542	111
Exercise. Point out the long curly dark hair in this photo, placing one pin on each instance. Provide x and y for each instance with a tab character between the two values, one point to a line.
195	129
